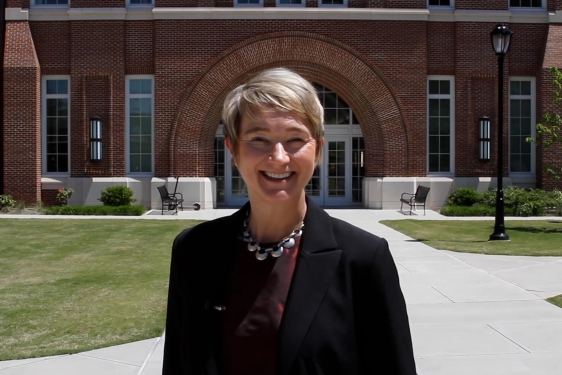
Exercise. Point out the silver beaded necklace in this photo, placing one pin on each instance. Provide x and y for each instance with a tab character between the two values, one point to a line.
276	250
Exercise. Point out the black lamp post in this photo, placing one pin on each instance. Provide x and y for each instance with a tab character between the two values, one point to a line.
501	39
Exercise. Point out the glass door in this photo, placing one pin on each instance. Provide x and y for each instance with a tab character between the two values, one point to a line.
337	172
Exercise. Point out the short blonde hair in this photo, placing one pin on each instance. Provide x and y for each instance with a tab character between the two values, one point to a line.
278	89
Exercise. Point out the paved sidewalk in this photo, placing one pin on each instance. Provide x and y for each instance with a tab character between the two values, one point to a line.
469	313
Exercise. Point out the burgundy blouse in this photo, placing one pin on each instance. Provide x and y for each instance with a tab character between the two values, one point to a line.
257	292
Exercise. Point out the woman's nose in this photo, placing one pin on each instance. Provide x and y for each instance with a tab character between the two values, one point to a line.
279	153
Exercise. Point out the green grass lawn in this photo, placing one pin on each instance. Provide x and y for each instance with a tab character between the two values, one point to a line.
68	286
556	300
528	237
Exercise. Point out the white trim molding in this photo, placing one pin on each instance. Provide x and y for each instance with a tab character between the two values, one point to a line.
282	12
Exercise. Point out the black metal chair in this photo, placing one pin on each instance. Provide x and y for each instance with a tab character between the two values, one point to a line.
173	201
416	199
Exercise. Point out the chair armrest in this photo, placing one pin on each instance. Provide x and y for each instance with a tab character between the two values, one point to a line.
402	196
174	195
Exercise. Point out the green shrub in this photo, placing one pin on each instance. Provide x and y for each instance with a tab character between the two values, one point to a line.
464	197
453	210
117	196
517	202
96	210
6	202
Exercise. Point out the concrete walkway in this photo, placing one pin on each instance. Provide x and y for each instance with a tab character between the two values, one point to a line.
469	313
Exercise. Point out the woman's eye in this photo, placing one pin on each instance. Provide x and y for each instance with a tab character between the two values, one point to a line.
296	140
259	139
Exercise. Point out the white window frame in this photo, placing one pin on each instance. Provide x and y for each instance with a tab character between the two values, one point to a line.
450	6
533	98
128	96
260	4
451	97
49	6
302	4
321	5
526	9
44	98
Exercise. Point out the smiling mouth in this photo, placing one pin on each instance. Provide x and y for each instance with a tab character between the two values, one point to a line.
278	176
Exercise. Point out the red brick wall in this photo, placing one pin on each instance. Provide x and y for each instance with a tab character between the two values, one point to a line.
52	43
22	122
482	5
98	89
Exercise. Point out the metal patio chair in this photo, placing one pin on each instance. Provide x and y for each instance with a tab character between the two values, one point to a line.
416	199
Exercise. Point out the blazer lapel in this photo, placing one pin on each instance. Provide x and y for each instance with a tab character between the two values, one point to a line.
315	269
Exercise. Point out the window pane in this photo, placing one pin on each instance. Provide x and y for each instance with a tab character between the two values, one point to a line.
51	87
434	163
444	161
135	144
526	88
434	107
515	88
52	107
135	127
525	108
146	106
445	126
146	86
62	125
445	87
51	125
62	164
134	86
433	145
62	107
62	86
445	109
135	163
434	87
146	125
135	107
444	145
515	128
146	144
146	163
434	126
515	108
514	145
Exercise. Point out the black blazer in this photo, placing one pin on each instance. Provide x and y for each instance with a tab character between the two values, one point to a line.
345	312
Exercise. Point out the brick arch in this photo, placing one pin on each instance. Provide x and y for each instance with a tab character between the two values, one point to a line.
318	59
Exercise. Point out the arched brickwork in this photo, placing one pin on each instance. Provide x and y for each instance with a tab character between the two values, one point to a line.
320	60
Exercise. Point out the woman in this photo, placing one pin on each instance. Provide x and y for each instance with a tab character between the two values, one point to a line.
280	287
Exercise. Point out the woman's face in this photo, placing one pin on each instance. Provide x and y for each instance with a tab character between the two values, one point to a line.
275	156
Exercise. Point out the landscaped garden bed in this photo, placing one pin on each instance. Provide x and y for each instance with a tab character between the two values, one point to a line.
517	202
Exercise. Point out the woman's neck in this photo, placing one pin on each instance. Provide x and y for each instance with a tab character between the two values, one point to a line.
273	223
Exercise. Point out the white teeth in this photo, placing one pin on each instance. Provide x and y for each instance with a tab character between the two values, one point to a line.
274	175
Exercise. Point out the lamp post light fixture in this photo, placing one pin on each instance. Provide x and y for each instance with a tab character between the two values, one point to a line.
95	138
484	138
501	40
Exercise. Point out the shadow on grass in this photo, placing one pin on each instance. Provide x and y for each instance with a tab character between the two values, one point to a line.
535	230
458	241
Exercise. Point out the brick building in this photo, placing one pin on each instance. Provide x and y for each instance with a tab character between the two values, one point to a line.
404	84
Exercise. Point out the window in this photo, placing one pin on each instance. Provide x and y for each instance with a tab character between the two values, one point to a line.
440	124
291	3
220	169
50	2
248	3
440	3
55	118
139	2
332	3
140	122
527	3
521	125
